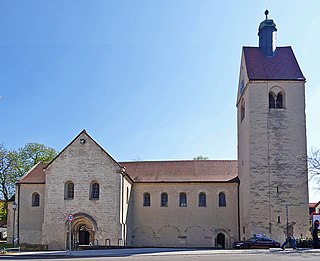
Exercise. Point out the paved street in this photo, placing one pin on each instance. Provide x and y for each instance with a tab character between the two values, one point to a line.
155	254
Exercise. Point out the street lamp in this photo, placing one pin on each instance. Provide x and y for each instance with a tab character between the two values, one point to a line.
14	207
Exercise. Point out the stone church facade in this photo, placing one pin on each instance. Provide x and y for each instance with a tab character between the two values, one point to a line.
84	196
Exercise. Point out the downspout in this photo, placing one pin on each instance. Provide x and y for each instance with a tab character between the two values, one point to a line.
121	203
18	218
238	188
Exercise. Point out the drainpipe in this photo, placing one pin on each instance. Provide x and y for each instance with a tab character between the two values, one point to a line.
18	216
238	188
121	203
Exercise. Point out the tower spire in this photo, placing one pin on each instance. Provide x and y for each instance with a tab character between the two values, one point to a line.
267	36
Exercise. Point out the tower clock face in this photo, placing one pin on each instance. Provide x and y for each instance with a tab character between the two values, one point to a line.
241	86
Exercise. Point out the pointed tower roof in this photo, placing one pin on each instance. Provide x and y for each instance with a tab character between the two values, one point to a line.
268	62
282	66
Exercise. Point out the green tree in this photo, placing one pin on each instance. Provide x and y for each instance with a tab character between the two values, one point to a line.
200	158
3	210
31	154
7	176
15	163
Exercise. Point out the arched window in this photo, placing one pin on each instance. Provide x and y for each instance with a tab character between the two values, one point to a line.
95	191
35	199
69	190
146	200
276	101
164	199
272	101
127	195
183	199
222	200
202	199
243	111
279	101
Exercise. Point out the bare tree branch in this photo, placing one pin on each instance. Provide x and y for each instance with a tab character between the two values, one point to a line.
314	164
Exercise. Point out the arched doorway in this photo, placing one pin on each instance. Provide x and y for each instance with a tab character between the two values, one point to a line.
81	231
84	235
221	240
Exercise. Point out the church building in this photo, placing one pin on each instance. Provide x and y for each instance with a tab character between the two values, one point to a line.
86	197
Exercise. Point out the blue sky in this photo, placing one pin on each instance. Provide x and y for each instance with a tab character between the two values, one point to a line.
148	80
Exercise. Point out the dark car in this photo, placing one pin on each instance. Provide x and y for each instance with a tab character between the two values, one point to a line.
258	242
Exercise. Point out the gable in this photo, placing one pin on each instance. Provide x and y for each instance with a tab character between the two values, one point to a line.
79	146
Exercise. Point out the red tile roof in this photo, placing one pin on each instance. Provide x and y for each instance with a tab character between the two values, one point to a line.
162	171
183	171
312	205
34	176
282	66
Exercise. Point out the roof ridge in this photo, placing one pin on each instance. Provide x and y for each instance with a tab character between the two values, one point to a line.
257	47
162	161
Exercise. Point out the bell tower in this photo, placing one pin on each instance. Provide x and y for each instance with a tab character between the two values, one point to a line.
271	123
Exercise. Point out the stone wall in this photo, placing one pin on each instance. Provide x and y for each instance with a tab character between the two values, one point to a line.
82	162
190	226
272	146
30	217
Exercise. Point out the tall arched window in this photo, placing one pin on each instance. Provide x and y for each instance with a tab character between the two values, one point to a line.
95	191
243	110
146	199
279	101
272	101
222	200
164	199
69	190
202	199
35	199
127	201
182	199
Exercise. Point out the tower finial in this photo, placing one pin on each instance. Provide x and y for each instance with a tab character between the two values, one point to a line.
267	31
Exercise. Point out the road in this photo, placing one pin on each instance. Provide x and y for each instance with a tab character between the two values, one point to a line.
172	255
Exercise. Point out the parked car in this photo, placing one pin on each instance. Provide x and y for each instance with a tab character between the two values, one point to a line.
258	242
